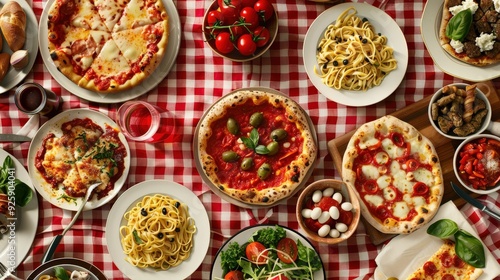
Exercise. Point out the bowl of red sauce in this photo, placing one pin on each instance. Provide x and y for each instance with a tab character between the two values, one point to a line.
328	211
477	163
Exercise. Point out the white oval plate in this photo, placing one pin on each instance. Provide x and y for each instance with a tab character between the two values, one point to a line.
128	200
53	125
383	24
68	264
245	234
174	41
13	76
26	222
429	28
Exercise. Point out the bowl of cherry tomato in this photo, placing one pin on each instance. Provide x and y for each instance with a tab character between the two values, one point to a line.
477	163
328	211
240	30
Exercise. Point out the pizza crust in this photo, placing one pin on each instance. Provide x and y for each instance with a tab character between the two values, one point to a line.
364	137
294	172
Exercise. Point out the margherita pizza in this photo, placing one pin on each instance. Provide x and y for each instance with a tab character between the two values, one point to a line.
84	154
107	46
256	147
470	31
446	265
396	174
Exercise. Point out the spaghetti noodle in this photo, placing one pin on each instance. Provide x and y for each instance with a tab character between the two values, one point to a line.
158	234
352	56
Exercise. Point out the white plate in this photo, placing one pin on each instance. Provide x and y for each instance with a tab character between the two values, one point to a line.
26	223
13	76
429	28
383	24
68	264
245	234
412	254
128	199
53	125
174	40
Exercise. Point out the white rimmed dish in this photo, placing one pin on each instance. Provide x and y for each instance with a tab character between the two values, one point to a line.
383	24
14	76
244	235
26	221
53	125
70	264
128	200
456	159
429	28
174	40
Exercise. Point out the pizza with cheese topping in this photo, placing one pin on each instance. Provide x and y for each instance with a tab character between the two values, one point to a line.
107	46
84	154
396	174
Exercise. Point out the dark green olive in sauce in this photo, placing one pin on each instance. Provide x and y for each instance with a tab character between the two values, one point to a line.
232	126
278	134
229	156
246	163
264	171
256	119
273	148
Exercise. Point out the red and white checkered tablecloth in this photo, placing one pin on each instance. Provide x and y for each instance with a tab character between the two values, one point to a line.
198	78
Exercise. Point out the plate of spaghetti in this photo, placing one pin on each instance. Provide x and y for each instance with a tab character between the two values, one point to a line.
162	231
355	54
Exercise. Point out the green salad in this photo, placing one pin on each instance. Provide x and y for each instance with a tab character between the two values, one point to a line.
269	255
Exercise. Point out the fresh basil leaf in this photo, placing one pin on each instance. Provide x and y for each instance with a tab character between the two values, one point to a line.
262	150
443	228
23	193
254	136
137	239
60	273
459	25
248	143
470	249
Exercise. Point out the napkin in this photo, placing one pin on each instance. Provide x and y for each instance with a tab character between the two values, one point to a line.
406	253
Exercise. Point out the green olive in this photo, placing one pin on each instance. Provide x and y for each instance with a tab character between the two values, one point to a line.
246	163
278	134
256	119
273	148
232	126
264	171
229	156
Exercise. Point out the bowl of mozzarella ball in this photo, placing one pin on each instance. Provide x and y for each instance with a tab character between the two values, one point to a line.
328	211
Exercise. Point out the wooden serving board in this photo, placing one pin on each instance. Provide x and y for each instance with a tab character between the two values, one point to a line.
416	114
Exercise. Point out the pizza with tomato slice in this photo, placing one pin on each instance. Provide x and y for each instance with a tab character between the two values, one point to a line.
445	264
256	146
396	173
107	46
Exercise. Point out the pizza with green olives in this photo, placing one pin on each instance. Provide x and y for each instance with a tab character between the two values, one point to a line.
256	146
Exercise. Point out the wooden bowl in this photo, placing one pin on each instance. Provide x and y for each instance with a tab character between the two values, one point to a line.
348	194
271	25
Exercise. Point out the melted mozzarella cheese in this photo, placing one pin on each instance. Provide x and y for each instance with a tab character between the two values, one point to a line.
381	158
392	150
374	200
400	178
384	181
370	172
371	141
424	176
389	194
401	209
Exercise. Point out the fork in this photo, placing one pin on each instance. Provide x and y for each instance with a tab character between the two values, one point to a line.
5	273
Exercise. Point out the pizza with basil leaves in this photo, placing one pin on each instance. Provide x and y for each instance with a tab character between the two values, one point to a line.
256	146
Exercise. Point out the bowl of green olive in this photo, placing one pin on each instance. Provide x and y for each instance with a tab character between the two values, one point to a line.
255	147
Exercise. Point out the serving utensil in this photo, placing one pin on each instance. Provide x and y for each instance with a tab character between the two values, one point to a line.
52	247
6	274
474	202
14	138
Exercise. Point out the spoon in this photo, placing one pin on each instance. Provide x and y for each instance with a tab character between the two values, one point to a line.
52	247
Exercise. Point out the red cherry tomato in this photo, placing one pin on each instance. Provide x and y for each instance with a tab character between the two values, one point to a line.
420	189
326	202
247	3
249	15
313	225
345	217
223	43
411	165
238	30
215	18
287	250
278	277
370	186
264	8
382	213
234	275
256	253
230	9
262	35
398	139
246	45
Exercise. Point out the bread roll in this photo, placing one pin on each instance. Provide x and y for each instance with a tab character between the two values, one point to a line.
4	64
13	25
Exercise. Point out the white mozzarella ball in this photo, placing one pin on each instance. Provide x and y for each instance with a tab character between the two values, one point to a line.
338	197
346	206
317	195
341	227
316	213
324	230
334	233
324	217
306	213
328	192
334	212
